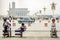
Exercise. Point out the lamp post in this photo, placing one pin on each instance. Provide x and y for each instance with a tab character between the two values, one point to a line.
53	7
40	11
10	18
44	9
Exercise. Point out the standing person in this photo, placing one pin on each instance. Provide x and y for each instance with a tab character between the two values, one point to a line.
9	25
10	18
5	25
22	28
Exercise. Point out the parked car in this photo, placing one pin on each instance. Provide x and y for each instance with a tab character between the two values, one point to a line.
26	20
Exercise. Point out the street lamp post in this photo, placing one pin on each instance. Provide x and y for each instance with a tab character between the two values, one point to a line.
40	11
44	9
53	7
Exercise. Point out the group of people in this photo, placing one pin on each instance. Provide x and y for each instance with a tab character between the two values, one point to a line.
7	26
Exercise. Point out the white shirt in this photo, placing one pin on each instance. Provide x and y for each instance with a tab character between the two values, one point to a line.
53	25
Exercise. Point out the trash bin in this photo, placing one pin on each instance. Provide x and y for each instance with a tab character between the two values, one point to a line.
49	21
45	24
29	23
14	24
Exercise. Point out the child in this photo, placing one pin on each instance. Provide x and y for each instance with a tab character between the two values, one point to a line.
53	24
53	28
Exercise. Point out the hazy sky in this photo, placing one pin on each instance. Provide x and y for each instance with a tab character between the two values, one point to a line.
32	5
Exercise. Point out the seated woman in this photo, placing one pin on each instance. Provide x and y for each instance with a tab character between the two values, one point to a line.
22	28
5	25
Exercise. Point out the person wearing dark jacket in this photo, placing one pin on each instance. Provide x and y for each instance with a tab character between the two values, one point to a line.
22	28
5	26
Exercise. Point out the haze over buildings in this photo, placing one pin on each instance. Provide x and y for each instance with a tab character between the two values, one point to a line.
32	5
17	12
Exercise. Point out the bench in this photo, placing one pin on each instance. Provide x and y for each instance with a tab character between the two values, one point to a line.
53	34
9	33
4	34
20	32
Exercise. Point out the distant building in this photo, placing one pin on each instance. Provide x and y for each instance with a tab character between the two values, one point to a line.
44	16
17	12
